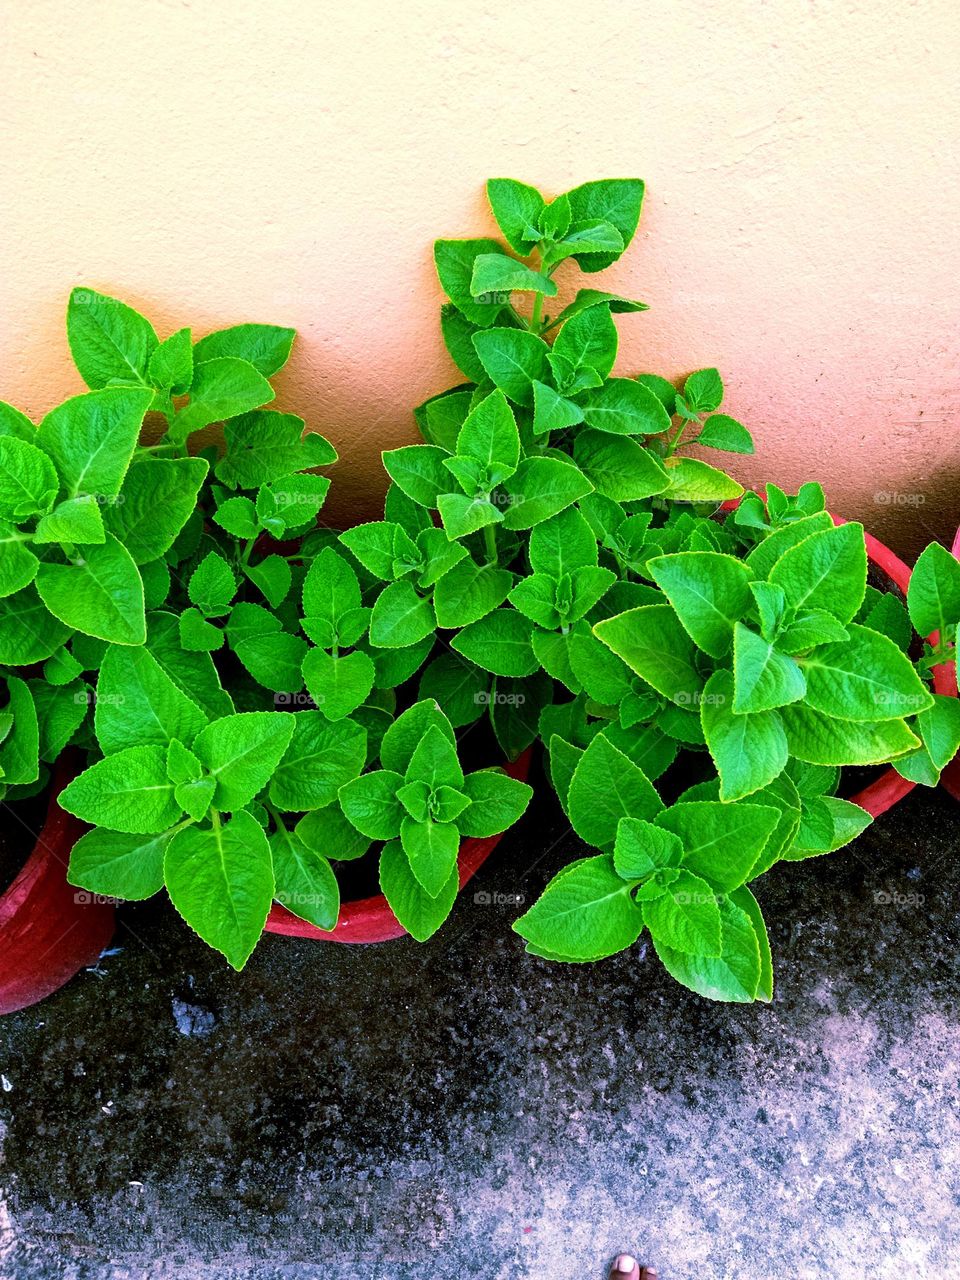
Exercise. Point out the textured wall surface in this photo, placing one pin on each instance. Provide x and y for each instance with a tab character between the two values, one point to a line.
212	162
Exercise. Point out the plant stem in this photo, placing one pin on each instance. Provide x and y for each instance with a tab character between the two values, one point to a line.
490	542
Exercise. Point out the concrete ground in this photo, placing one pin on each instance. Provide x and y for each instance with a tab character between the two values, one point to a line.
458	1109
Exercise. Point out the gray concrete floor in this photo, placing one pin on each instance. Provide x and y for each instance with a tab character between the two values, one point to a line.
459	1109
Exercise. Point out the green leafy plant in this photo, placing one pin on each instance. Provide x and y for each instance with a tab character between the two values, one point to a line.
659	640
243	665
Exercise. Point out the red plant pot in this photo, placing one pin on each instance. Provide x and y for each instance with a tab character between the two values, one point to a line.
370	919
49	930
889	788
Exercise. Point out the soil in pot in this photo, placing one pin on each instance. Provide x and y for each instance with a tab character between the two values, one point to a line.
22	823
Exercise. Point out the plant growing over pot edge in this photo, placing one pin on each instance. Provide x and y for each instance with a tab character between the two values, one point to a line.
202	779
594	557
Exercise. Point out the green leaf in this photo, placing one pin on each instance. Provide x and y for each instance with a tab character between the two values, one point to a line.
264	445
28	631
589	340
827	824
624	407
431	849
763	678
242	752
212	586
138	703
748	750
721	432
495	273
100	593
273	577
468	592
77	520
91	439
119	865
418	470
265	346
156	500
654	644
60	710
939	728
827	571
703	391
128	791
694	481
455	262
618	467
459	686
747	903
15	423
20	745
370	803
735	975
420	913
489	436
607	786
562	545
686	918
641	849
381	546
809	629
305	883
587	298
721	842
196	634
193	673
933	596
273	657
614	200
28	480
553	412
496	802
539	489
400	617
864	678
328	833
513	359
462	516
710	592
331	597
238	516
821	739
338	685
407	731
766	554
585	913
171	365
499	642
458	334
107	338
320	758
517	209
18	566
222	387
221	882
434	761
290	505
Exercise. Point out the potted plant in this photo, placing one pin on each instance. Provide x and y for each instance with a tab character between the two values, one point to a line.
280	700
744	654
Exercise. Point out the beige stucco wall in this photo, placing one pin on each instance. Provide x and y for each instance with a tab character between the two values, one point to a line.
212	161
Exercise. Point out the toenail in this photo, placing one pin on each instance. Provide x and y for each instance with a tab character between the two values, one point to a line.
625	1263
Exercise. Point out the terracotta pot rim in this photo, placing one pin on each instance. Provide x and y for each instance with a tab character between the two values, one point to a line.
889	788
